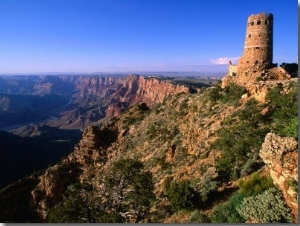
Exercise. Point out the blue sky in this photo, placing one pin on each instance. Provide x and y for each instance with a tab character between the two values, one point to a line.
38	36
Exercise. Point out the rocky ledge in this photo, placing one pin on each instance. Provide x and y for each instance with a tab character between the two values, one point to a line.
280	155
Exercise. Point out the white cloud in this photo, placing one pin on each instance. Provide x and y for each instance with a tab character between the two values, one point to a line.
224	60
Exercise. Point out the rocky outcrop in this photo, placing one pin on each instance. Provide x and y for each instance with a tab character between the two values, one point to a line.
92	149
254	73
259	90
280	155
50	187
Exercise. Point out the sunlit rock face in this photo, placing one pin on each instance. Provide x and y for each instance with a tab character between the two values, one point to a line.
280	155
136	89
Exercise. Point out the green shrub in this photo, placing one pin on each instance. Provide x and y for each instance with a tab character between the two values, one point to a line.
283	110
251	165
240	140
255	185
126	189
259	79
194	182
184	105
208	187
225	167
157	108
268	207
294	184
152	131
233	93
161	162
160	214
143	107
228	121
251	113
215	93
198	217
181	196
238	143
290	128
194	108
79	205
167	182
227	213
180	154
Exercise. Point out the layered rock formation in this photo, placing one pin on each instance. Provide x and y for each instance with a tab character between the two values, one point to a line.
280	155
136	89
97	85
79	101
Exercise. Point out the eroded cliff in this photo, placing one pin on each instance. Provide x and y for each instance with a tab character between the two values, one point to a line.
137	89
101	98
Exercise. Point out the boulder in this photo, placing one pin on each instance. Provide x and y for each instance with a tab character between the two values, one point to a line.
280	154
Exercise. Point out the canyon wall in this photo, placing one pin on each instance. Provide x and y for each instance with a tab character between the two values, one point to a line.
80	100
136	89
101	98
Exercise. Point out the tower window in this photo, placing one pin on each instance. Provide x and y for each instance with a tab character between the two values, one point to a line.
266	22
256	47
249	35
252	23
258	22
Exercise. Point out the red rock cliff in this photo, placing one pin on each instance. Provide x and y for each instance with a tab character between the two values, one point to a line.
137	89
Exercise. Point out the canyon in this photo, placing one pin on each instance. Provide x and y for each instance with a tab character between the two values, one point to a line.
42	117
73	102
175	138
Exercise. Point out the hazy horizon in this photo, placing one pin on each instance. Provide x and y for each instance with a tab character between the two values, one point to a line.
218	71
124	73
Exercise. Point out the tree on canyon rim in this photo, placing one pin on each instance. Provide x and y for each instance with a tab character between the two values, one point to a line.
126	192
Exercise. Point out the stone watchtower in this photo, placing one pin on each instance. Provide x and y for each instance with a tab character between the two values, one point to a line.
258	48
257	57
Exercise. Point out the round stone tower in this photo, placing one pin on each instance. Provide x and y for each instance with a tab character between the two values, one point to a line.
258	48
